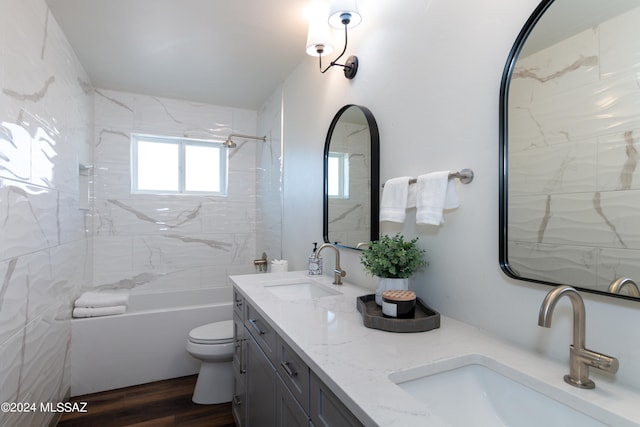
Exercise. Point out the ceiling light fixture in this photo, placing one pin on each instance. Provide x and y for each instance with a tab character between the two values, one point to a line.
341	14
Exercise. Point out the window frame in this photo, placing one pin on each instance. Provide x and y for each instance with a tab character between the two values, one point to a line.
182	143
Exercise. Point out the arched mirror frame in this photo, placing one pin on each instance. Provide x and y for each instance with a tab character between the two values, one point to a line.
374	174
503	178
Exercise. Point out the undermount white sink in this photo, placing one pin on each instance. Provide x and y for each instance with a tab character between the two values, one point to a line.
474	394
304	289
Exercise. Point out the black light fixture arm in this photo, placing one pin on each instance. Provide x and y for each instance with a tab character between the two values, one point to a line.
334	62
351	65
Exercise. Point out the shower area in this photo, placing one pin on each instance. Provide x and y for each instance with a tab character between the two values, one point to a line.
155	242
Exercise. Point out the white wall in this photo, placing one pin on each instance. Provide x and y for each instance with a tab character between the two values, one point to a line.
430	72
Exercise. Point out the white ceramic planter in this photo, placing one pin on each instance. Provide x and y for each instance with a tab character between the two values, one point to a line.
388	284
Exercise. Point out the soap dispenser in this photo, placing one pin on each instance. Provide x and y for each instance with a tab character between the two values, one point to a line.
315	264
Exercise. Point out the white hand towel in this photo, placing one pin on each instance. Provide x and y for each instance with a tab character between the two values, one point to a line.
393	205
434	193
98	311
101	299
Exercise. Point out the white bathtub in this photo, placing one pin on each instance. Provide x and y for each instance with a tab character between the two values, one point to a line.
145	344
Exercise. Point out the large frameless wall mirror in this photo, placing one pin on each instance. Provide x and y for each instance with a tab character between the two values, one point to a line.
570	143
351	178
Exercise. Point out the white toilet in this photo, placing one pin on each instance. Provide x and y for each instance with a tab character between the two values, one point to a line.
212	344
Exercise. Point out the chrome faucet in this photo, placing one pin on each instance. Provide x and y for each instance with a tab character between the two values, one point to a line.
580	359
617	285
338	273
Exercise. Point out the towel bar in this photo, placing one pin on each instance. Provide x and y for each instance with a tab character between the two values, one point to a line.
465	176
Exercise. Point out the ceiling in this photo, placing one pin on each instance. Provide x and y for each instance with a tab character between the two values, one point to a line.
224	52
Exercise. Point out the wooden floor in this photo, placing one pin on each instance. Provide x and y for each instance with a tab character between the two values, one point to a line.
159	404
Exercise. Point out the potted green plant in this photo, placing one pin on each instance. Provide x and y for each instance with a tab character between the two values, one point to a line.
392	260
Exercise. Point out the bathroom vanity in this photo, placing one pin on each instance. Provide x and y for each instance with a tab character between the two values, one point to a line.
303	357
272	384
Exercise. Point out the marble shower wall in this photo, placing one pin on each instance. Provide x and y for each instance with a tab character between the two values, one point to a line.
574	188
161	242
46	116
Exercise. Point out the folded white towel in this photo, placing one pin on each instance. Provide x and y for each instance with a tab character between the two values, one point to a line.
393	204
434	193
98	311
102	299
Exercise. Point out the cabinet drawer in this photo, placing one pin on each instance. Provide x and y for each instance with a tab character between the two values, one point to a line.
238	303
262	332
294	373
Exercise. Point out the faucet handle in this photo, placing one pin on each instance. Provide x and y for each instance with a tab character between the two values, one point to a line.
599	360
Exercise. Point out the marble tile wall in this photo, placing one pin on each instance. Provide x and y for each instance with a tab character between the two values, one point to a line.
46	116
349	219
161	242
574	189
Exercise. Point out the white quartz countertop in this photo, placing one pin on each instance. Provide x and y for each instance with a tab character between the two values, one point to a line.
356	361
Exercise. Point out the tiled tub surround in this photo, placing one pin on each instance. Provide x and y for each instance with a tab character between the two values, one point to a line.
160	242
574	191
46	114
355	361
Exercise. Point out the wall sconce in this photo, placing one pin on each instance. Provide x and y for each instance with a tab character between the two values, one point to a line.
341	14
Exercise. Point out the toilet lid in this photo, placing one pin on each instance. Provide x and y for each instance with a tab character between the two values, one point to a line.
213	333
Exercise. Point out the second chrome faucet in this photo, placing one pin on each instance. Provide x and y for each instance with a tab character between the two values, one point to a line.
580	358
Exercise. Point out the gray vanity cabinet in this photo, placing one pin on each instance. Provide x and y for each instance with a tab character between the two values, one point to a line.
272	384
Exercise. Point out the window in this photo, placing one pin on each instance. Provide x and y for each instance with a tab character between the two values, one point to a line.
166	165
338	175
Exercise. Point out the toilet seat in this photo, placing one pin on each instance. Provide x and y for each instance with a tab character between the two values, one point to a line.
213	333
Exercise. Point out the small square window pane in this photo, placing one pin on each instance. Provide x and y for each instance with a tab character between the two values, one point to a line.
202	168
333	181
158	166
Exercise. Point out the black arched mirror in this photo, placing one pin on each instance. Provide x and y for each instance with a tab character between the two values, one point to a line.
570	143
351	178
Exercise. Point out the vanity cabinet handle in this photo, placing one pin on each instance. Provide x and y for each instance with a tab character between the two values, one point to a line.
288	370
254	323
241	369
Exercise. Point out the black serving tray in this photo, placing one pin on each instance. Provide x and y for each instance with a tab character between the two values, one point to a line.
425	319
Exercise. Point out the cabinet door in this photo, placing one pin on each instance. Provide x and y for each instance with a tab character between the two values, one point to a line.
326	408
260	387
289	413
238	406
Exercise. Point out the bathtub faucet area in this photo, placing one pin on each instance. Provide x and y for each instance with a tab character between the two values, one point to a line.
261	263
